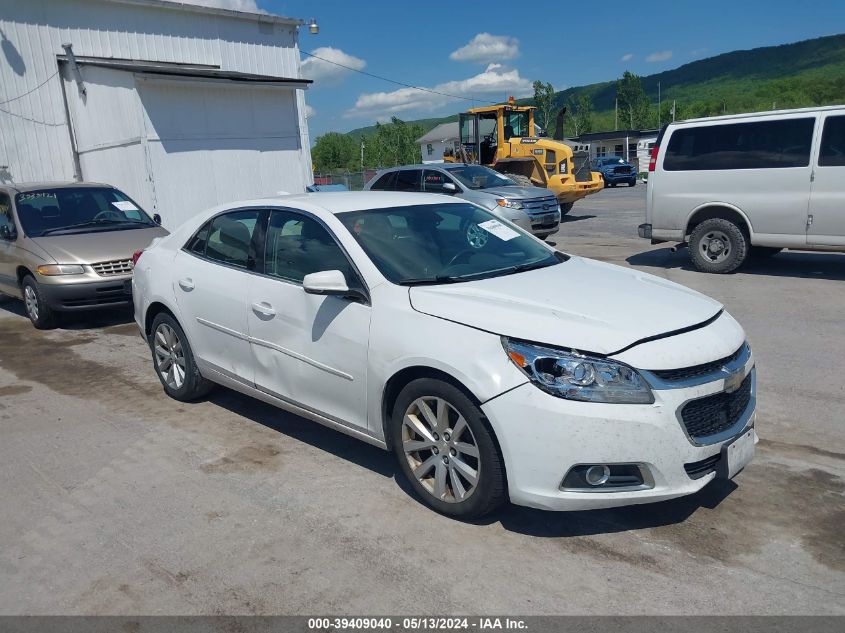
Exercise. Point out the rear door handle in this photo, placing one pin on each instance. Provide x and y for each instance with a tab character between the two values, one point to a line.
264	309
186	284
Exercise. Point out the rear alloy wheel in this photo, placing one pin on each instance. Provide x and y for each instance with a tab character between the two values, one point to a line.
446	450
39	313
174	361
717	246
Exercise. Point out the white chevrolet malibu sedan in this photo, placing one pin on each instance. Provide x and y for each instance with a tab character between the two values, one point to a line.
493	366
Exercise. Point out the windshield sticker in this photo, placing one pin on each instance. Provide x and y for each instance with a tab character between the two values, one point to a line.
498	229
36	194
125	205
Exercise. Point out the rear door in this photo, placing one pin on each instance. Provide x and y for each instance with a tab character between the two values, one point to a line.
826	222
211	282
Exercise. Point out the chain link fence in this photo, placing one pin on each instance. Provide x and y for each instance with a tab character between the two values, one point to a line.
352	180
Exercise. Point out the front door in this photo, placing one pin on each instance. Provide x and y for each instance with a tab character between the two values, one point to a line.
826	222
309	350
8	275
212	291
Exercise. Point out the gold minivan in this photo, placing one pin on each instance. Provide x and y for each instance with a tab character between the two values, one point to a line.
68	247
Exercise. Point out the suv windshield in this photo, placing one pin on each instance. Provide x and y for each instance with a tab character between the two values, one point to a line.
66	210
444	243
478	177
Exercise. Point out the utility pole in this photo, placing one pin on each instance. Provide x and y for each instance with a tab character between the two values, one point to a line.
362	154
616	114
674	104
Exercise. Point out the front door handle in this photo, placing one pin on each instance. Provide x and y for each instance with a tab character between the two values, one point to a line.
263	308
186	284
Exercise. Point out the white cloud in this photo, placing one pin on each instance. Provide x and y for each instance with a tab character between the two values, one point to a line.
313	68
485	48
627	57
496	81
310	112
660	56
237	5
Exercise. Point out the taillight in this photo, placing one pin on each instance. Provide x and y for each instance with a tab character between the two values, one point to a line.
652	163
136	256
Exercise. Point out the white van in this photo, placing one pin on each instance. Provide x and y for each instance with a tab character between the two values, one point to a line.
750	184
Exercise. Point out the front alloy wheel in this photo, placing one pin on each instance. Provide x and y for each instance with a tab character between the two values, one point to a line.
446	449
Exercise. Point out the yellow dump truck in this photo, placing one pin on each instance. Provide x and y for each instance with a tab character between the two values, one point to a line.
503	137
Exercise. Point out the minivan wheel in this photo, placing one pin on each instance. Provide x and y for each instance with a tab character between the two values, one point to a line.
42	317
446	449
174	361
717	246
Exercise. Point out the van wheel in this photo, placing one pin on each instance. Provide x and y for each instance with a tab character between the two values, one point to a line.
446	449
717	246
42	317
764	251
174	361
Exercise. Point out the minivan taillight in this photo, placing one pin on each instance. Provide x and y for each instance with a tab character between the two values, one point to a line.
136	256
652	163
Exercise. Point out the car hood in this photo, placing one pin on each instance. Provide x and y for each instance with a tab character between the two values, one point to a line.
98	246
521	193
579	304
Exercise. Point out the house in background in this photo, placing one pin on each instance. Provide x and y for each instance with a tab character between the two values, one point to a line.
433	145
632	145
181	106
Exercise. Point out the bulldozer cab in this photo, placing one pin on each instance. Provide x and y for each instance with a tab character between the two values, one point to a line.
487	132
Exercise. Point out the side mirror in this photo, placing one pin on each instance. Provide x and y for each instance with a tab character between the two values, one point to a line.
325	282
449	187
8	233
157	218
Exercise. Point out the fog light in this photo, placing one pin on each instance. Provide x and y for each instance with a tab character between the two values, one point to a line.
597	475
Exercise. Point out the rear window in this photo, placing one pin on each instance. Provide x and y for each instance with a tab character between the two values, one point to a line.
753	145
832	151
385	183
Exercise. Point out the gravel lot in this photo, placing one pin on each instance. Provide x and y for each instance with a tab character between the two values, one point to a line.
116	499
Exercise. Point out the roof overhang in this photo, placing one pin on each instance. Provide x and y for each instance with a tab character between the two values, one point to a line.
189	71
229	13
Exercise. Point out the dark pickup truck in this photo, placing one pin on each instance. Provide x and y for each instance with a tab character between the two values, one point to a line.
615	170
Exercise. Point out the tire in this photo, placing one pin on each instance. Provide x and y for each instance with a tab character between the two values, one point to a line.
39	312
633	183
761	252
169	343
435	450
718	246
613	184
519	179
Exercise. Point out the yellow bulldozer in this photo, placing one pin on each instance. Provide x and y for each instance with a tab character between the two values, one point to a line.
503	137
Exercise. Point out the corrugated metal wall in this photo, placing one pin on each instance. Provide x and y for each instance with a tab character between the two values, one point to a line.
34	139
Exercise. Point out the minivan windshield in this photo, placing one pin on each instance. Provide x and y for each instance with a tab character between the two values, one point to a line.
444	243
66	210
478	177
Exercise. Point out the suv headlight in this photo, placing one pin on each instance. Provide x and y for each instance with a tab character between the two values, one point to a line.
510	204
49	270
578	377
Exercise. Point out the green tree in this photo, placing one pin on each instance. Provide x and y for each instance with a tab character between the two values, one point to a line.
393	143
334	151
580	110
634	105
544	99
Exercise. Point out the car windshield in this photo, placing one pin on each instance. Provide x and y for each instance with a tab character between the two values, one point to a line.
64	210
477	177
444	243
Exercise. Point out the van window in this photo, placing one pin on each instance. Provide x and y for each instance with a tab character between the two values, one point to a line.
753	145
832	150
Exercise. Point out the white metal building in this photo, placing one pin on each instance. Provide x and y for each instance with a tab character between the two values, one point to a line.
181	106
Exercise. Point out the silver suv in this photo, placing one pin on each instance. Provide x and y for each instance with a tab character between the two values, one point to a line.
532	208
69	247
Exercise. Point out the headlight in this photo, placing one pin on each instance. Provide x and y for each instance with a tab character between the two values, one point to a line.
578	377
563	166
49	270
510	204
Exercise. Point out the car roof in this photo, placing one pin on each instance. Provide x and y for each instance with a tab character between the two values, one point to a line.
23	187
443	165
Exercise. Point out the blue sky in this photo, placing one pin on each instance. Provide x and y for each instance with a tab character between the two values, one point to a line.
490	49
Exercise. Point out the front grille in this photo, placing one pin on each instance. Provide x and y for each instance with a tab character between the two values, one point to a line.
697	470
582	170
685	373
116	267
622	170
713	414
540	206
